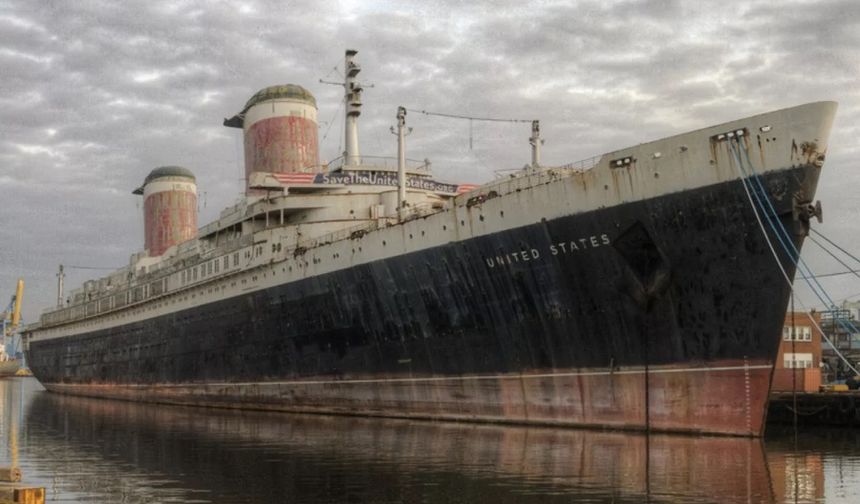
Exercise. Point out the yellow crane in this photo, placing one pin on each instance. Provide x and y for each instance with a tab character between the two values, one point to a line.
11	319
12	315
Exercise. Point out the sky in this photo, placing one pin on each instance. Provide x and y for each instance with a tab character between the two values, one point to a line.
95	94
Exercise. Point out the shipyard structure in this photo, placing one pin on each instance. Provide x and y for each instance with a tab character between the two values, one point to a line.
639	290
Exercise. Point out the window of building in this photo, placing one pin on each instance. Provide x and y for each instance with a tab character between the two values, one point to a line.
797	360
801	333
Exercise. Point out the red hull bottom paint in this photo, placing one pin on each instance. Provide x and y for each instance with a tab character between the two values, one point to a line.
722	397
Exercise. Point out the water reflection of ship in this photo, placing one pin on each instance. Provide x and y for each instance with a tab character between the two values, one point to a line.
480	463
798	477
797	471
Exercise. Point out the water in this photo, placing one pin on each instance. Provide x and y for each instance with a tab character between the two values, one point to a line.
97	451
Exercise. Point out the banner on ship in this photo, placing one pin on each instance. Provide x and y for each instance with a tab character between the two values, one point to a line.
360	177
376	178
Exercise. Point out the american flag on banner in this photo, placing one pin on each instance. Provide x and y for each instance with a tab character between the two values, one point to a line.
464	188
295	178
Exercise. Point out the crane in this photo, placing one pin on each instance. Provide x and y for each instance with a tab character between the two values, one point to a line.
12	314
11	319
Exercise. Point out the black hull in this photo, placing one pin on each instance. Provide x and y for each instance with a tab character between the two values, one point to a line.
682	279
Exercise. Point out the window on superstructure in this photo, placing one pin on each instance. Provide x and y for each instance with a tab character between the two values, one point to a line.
236	259
194	273
226	263
217	265
209	268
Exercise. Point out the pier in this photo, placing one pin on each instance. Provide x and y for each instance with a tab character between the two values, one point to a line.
815	408
13	491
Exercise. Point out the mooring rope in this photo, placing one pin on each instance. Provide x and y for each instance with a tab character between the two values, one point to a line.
734	149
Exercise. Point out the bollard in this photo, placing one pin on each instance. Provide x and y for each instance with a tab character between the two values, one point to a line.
10	474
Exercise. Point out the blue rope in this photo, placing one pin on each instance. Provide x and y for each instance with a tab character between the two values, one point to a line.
771	215
782	229
793	252
758	198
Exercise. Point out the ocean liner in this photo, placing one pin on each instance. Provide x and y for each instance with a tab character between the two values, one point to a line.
636	290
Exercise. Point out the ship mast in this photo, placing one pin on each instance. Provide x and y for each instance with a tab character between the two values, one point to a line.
352	98
535	141
401	160
60	277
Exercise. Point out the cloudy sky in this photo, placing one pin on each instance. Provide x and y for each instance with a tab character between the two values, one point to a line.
94	94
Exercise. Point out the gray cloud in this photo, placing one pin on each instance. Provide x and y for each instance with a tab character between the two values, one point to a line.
95	94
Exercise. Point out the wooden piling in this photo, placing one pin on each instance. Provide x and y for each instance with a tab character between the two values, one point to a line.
12	492
10	474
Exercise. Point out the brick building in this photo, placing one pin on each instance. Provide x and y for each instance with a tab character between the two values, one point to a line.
799	359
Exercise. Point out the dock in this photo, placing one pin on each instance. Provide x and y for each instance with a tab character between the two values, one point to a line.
12	491
815	408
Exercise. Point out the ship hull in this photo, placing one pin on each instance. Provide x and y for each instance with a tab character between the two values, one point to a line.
722	397
661	314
